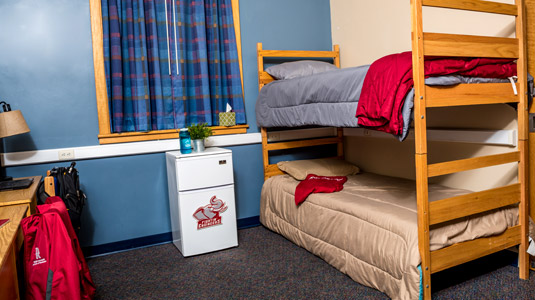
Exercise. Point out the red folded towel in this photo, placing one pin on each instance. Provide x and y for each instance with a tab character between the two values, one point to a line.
318	184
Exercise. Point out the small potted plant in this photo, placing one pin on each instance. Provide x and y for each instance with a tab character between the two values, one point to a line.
198	133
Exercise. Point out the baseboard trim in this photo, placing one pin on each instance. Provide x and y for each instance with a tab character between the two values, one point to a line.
125	245
248	222
151	240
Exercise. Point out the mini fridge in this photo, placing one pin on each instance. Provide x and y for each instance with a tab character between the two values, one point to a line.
201	200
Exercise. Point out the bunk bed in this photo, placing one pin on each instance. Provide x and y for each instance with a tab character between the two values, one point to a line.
409	244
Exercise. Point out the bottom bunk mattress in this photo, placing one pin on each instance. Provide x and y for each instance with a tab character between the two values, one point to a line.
369	229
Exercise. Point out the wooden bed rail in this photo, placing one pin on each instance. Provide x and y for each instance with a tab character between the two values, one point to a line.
471	94
470	204
441	44
438	44
464	252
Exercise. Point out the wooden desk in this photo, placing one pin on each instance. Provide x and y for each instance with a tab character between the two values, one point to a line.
10	244
25	197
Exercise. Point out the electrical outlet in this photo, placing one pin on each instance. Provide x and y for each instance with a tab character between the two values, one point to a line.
274	136
67	154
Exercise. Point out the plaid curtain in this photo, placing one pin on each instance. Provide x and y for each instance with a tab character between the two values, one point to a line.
169	77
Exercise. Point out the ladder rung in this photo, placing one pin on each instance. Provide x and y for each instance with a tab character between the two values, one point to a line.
303	143
460	165
470	94
465	205
442	44
463	252
475	5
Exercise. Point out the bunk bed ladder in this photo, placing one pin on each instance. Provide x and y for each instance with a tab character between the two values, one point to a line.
435	44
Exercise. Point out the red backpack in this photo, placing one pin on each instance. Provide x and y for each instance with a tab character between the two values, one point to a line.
54	264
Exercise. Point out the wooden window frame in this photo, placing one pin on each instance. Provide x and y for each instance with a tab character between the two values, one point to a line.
105	135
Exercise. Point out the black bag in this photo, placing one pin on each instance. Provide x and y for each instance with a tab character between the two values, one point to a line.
42	195
68	188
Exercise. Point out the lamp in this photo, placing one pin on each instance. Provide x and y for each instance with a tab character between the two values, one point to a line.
11	123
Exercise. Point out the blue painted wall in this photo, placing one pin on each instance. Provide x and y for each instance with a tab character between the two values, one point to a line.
46	70
281	25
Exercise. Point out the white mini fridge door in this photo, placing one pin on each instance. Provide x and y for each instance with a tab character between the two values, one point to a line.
207	220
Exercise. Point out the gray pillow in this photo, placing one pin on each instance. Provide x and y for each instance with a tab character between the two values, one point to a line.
300	68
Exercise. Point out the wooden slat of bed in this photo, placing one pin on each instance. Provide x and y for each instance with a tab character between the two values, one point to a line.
470	94
466	205
297	53
474	5
442	44
461	165
464	252
303	143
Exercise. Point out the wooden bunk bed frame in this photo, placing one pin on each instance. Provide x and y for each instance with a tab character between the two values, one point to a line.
435	44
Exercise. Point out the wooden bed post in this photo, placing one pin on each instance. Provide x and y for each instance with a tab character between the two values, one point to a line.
265	154
530	44
263	131
420	129
523	257
340	147
336	62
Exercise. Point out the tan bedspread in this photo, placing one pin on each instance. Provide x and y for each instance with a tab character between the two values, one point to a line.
369	229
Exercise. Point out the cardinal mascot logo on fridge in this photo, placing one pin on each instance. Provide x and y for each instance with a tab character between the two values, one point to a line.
208	215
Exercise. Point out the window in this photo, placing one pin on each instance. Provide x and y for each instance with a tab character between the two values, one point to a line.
106	132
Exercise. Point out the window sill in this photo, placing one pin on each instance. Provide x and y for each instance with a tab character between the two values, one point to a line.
126	137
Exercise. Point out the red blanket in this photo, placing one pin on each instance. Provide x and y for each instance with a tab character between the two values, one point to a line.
389	79
318	184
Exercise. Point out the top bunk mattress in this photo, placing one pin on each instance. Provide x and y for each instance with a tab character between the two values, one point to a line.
325	99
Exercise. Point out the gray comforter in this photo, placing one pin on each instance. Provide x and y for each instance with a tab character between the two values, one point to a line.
330	99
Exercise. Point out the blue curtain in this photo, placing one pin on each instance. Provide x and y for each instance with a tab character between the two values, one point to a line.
164	77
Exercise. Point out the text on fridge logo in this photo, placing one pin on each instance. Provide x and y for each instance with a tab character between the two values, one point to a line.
208	215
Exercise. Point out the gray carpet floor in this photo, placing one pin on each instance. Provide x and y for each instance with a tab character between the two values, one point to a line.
267	266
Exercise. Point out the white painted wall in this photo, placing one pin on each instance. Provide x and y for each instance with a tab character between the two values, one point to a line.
368	30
